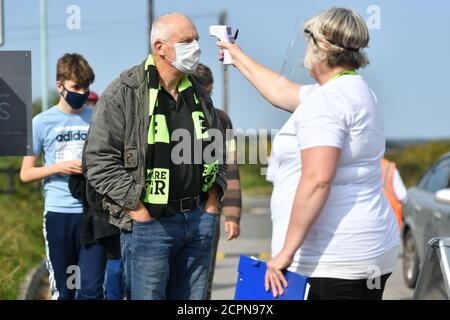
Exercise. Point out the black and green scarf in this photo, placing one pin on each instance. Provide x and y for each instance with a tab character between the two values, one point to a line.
159	150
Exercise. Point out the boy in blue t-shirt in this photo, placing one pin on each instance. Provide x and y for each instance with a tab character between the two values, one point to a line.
60	133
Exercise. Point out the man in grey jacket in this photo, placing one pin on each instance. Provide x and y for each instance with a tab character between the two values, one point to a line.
155	155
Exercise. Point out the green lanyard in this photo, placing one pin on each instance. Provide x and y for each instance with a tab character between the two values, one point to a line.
343	73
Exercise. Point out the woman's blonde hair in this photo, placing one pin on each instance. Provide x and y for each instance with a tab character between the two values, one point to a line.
337	36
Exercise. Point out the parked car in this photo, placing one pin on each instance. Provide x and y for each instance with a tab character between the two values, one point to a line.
426	215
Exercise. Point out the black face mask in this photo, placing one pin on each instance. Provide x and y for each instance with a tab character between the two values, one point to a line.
74	99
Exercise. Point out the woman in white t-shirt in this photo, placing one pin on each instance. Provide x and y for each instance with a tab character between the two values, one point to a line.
330	218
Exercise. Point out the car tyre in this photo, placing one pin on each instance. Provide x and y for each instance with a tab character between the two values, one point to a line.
410	260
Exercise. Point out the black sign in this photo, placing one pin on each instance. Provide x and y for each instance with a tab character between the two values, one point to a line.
15	103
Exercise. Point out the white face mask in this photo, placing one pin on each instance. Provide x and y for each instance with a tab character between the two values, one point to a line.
187	56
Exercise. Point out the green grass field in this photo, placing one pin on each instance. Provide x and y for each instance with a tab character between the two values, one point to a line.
252	182
21	240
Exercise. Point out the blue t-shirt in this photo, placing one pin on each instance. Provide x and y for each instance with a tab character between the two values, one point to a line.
61	137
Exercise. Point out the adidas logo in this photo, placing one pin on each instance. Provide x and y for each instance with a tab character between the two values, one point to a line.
71	136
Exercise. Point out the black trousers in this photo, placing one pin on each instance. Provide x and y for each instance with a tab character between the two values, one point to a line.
342	289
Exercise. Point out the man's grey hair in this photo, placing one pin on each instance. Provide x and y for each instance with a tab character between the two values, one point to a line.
163	27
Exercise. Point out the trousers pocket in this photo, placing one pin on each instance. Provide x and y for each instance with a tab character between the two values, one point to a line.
143	223
214	214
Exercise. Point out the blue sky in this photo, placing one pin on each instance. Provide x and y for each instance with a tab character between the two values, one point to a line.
409	54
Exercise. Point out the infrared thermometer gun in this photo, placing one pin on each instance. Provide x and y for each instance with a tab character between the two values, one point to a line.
223	33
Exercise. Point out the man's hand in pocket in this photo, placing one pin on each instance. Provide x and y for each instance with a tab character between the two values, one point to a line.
140	214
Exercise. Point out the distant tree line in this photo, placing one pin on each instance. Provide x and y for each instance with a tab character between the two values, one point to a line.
414	160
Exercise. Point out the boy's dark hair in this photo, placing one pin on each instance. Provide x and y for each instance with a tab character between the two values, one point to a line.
73	66
204	75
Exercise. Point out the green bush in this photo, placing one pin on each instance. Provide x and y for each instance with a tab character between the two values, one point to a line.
413	161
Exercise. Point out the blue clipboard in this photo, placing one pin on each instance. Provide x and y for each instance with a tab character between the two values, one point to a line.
250	282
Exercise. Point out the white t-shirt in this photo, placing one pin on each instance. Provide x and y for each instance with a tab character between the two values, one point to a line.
357	222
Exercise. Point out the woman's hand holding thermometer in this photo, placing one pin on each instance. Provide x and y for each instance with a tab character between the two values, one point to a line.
224	33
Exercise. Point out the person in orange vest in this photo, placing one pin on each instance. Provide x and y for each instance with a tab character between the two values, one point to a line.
393	188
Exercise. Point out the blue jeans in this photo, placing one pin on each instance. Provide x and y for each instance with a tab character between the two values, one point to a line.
92	263
169	257
114	280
